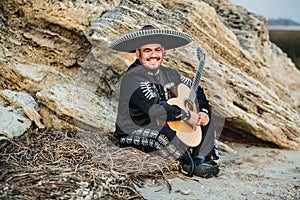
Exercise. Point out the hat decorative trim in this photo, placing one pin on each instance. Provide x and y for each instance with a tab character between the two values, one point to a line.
168	38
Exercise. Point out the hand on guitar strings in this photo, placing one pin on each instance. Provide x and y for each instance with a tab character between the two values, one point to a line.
198	119
203	119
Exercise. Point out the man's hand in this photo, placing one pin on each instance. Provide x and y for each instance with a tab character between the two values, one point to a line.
204	119
198	119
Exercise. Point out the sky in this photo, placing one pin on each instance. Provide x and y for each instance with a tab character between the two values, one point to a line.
275	9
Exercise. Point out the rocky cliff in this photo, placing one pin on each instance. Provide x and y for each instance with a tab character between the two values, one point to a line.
54	60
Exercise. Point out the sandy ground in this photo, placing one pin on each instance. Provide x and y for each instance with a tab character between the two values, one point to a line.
251	173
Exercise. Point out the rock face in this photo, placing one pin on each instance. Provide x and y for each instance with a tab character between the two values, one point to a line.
14	121
71	104
57	52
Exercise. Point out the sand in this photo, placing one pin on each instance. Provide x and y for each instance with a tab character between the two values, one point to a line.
251	173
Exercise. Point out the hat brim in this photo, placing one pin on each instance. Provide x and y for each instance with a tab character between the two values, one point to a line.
169	39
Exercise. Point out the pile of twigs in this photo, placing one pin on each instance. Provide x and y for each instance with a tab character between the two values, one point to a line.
64	164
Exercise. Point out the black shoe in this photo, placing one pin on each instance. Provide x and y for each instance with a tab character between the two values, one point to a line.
207	169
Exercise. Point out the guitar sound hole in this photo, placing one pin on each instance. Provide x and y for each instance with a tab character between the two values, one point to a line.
189	105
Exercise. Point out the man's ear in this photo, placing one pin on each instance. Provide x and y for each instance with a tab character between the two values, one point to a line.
137	53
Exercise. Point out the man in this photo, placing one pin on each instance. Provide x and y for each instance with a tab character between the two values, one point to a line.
144	111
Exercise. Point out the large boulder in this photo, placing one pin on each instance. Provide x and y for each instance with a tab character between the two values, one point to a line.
77	108
238	81
14	122
58	52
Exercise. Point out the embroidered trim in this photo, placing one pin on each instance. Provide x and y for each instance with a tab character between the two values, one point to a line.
153	73
163	140
153	32
205	110
186	81
147	90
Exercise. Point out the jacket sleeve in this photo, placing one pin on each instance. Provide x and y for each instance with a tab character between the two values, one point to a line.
203	103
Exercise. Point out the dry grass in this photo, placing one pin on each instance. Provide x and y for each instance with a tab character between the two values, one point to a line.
64	164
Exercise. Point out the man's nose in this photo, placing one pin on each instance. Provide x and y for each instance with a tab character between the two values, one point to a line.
153	54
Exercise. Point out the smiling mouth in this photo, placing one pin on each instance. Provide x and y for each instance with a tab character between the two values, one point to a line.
153	59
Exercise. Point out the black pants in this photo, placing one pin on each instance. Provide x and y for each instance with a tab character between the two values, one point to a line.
163	141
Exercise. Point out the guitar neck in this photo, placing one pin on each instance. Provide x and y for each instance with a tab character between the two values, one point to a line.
196	82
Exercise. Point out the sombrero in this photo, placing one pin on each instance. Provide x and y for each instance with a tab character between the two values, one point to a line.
168	38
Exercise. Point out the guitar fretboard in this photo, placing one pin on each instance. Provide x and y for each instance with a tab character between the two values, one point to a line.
201	57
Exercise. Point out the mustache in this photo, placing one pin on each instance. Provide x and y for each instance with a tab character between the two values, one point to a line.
153	57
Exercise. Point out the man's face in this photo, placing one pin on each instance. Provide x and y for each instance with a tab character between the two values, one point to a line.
151	55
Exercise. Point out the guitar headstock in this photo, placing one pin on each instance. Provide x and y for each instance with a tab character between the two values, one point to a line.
201	54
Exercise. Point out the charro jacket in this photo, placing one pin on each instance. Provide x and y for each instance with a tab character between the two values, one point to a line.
144	95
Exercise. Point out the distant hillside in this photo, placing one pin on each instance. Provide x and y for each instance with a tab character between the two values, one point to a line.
288	41
286	34
282	22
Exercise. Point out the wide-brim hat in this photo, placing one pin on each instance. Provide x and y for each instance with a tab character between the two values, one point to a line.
168	38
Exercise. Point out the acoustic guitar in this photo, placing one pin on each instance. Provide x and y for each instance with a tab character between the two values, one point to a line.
185	99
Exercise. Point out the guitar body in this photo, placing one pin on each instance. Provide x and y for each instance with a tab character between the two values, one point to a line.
185	132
